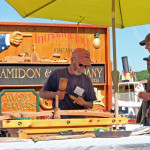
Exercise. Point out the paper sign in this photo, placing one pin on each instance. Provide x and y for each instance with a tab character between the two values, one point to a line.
79	91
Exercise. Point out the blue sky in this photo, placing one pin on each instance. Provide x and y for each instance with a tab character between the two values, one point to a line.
127	40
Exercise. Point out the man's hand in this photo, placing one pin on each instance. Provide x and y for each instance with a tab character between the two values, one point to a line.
16	38
144	95
61	94
82	102
79	101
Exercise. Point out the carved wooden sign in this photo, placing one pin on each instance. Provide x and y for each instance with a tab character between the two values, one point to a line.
19	100
38	74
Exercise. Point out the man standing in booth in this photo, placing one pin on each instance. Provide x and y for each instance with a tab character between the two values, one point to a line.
79	85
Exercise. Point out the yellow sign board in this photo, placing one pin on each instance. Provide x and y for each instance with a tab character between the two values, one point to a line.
19	100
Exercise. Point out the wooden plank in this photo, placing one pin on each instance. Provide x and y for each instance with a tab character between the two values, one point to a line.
47	138
14	59
27	133
94	113
48	25
5	117
27	114
10	139
56	130
63	122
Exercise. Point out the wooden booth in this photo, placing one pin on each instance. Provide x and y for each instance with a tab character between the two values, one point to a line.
45	47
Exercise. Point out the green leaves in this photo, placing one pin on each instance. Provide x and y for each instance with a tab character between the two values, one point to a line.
142	75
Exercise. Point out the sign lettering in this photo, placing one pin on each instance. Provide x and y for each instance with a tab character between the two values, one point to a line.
38	74
19	100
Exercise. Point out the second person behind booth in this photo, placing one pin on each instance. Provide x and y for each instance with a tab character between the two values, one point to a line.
143	116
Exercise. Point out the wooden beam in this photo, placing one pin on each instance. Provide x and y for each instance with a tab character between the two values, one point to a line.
27	133
56	130
63	122
5	117
94	113
27	114
86	112
60	137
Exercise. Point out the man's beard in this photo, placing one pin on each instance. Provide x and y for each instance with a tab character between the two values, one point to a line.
76	71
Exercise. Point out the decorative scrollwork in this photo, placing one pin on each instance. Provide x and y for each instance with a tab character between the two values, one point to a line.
43	106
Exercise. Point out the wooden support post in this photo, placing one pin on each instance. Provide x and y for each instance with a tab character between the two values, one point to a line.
62	87
56	109
22	134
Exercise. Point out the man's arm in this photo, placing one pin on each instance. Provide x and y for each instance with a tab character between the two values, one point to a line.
82	102
50	95
88	105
